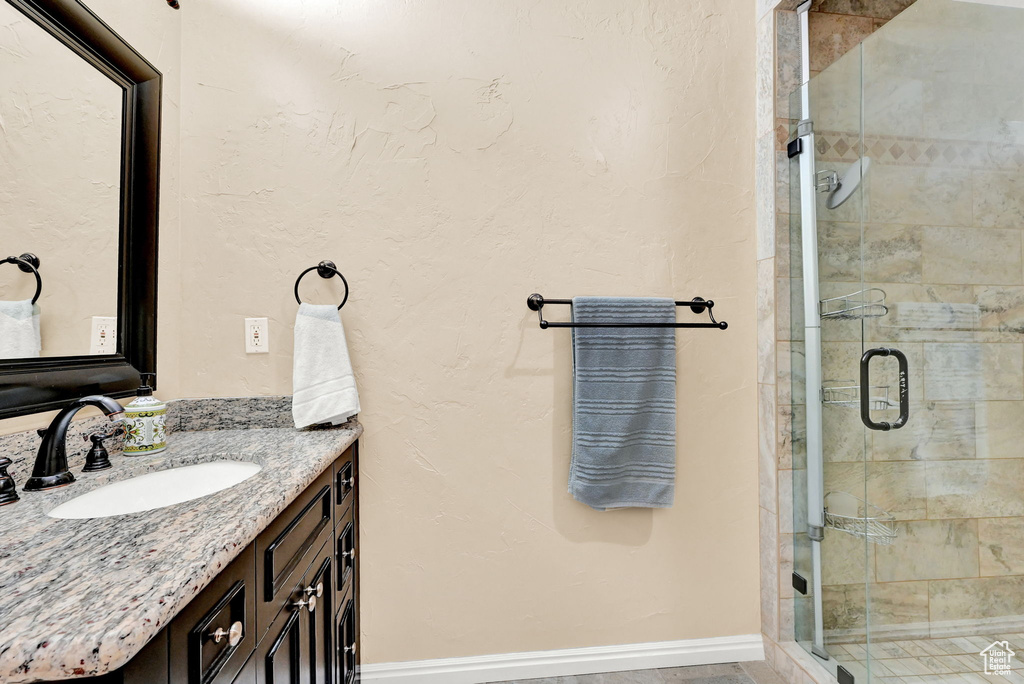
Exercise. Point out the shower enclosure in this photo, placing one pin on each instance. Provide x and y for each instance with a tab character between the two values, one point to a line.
907	306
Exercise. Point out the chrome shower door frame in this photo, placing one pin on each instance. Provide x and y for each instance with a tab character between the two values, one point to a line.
812	336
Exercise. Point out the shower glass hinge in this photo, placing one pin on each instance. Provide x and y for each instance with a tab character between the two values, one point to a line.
800	583
794	147
826	181
816	532
843	675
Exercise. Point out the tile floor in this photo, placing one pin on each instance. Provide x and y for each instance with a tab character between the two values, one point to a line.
955	660
731	673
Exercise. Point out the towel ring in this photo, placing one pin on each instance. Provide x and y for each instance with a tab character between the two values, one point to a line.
28	263
325	269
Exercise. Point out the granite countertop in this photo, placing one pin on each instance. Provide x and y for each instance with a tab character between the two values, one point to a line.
80	598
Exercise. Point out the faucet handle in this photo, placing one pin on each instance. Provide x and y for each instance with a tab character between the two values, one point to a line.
8	489
98	458
98	437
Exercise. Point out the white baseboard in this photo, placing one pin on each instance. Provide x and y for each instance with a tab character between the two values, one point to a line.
570	661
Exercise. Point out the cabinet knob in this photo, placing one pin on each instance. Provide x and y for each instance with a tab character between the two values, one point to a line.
309	604
348	482
318	590
233	634
351	649
350	554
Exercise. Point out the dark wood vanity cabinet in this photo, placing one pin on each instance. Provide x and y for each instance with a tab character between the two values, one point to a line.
284	611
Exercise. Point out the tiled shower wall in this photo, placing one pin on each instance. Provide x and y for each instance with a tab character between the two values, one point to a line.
837	26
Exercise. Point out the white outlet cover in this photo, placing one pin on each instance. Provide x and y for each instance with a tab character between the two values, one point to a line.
257	336
103	335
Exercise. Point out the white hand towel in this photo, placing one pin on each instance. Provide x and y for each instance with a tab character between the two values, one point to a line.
19	330
323	387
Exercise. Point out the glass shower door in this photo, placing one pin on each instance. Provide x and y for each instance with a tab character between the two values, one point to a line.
916	170
830	302
943	123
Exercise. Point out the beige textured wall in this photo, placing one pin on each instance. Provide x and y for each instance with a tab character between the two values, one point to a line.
453	157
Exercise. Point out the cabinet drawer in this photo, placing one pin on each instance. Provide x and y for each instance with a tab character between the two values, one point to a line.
215	633
302	528
345	477
347	638
346	549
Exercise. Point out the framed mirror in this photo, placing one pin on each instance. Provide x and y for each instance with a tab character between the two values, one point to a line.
79	196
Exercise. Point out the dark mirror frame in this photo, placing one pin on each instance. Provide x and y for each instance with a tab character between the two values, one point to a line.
39	384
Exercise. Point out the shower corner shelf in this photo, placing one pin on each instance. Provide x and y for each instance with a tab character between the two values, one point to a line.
869	303
845	393
847	513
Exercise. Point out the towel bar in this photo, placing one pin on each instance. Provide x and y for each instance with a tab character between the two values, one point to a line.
697	305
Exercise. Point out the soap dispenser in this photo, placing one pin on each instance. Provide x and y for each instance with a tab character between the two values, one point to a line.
145	422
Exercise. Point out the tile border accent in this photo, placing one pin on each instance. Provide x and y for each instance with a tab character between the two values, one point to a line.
840	146
570	661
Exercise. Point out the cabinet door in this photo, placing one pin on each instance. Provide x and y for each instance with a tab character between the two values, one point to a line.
320	622
347	638
280	654
248	673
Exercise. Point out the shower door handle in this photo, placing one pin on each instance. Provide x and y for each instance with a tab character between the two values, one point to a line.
865	389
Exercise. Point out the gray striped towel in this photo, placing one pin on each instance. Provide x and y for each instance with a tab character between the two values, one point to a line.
624	404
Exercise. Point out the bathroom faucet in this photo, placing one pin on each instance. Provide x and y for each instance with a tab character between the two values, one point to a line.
51	469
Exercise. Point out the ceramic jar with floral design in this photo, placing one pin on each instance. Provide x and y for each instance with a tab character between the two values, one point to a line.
145	424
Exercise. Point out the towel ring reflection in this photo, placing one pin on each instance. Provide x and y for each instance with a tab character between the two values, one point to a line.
28	263
325	269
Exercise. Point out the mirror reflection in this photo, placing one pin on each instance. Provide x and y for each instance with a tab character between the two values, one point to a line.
60	185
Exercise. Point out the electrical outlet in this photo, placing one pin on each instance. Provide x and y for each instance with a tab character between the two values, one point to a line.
257	337
104	335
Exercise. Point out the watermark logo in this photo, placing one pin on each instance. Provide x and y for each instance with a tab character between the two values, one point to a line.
998	658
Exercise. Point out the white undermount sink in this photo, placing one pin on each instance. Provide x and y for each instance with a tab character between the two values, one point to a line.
156	490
